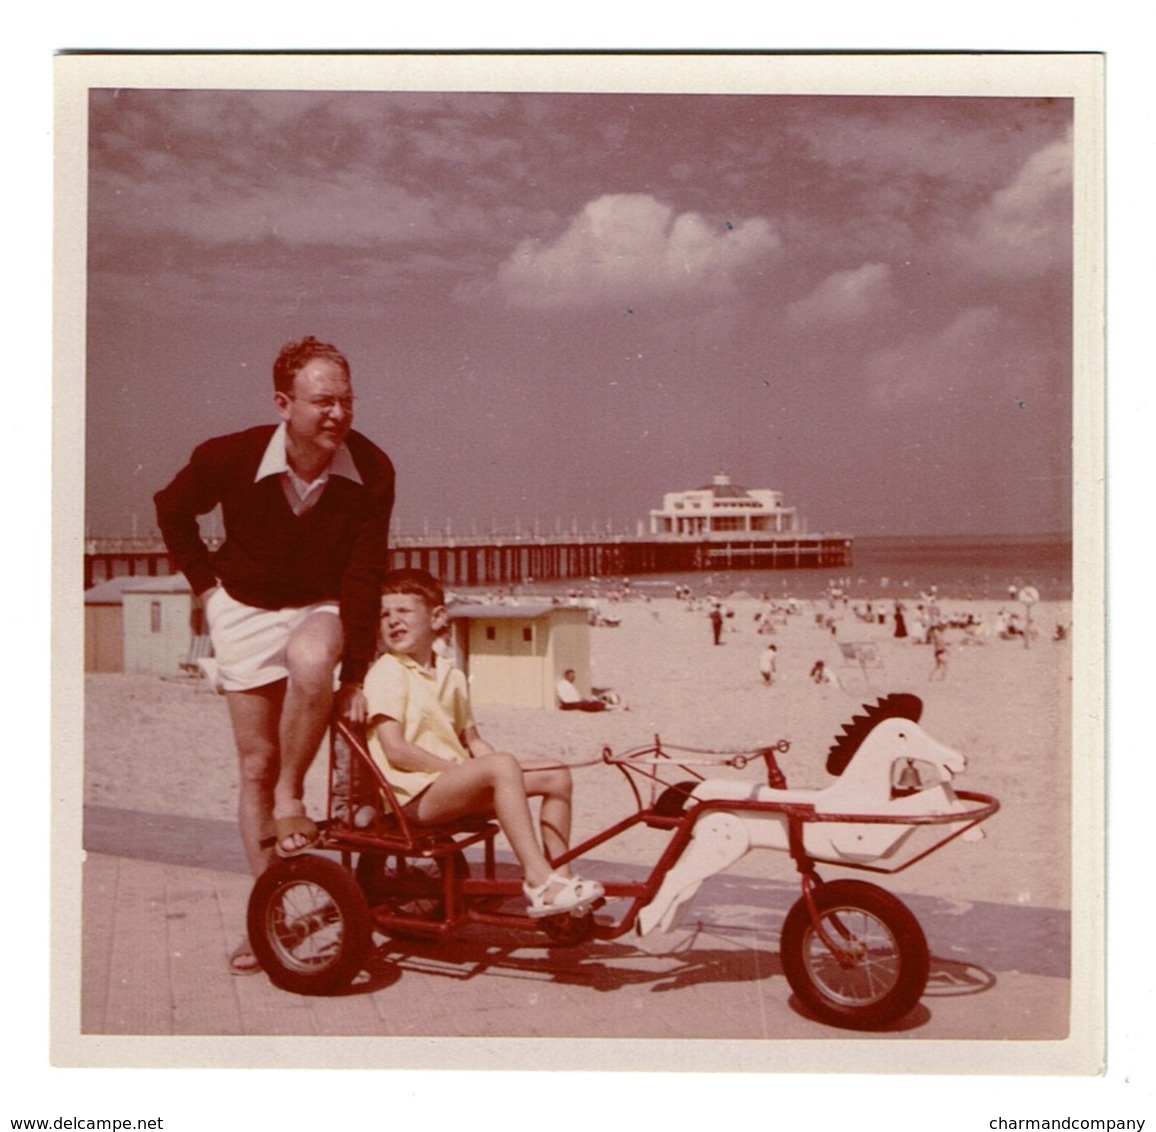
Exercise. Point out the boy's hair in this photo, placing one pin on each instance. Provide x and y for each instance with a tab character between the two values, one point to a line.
295	356
420	583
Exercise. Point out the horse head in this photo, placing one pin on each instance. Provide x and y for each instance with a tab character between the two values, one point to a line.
886	748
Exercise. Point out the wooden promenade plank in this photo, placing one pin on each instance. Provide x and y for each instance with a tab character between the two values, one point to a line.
98	917
139	990
199	943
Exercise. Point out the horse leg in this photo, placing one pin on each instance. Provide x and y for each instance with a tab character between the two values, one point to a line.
718	841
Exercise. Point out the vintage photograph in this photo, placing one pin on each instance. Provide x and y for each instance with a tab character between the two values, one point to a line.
584	548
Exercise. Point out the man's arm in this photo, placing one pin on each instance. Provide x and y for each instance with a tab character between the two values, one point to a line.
193	492
361	579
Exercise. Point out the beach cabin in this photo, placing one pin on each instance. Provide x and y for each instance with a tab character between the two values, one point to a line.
104	626
514	654
158	624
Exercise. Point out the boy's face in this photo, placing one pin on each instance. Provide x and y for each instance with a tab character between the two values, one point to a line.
408	625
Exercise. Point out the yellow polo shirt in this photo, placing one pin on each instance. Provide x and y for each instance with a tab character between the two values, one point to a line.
433	709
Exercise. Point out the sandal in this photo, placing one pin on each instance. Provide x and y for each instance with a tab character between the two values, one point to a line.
294	825
242	961
575	894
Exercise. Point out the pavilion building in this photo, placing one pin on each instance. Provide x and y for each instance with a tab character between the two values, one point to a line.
723	510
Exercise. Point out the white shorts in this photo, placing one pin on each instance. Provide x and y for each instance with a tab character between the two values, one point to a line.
249	643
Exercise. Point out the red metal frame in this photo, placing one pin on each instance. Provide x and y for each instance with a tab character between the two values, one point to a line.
356	782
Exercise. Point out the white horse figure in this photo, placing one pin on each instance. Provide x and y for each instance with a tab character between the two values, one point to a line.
884	763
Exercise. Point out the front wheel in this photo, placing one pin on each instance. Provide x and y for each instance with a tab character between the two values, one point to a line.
873	965
309	925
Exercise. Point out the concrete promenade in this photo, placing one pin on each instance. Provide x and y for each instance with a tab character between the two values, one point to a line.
164	900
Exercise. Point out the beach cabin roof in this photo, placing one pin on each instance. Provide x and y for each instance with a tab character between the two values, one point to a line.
107	593
112	592
494	612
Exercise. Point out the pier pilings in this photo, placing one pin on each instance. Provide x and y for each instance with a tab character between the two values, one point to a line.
502	562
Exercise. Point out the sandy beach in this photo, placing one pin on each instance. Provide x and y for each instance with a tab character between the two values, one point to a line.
165	746
997	912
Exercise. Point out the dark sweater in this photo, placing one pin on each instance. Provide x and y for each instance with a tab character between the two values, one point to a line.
273	559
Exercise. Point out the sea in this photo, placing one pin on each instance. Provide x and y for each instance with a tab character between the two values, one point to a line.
960	567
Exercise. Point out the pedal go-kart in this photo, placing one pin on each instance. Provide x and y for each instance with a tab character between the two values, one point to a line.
853	953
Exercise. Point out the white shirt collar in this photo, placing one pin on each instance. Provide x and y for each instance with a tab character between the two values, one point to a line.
275	462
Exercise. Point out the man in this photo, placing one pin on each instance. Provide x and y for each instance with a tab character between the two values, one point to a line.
716	622
571	699
294	587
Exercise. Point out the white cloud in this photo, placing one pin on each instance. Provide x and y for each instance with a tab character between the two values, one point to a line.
1025	227
844	296
629	247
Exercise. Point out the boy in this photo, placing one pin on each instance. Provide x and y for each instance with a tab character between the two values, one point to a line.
423	735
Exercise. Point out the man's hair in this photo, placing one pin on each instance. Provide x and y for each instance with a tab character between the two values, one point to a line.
420	583
295	356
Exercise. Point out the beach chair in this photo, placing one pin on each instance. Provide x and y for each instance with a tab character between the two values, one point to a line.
200	663
862	655
200	647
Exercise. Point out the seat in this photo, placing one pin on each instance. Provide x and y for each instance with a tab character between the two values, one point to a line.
363	806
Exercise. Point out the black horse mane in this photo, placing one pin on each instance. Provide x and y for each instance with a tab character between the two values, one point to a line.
898	705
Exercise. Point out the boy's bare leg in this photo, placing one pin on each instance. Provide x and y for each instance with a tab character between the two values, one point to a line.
553	784
492	782
312	654
255	716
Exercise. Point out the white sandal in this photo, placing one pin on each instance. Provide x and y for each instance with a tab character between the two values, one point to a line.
575	894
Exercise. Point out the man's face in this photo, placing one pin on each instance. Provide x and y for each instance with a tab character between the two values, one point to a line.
319	412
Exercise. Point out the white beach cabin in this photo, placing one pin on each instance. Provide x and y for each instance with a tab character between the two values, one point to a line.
514	654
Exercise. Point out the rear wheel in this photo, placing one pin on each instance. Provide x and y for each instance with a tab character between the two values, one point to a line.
309	925
880	963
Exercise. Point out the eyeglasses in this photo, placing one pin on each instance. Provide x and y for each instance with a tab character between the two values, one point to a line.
325	404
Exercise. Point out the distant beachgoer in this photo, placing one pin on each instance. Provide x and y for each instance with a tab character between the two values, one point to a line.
571	699
716	621
939	669
821	674
900	620
767	664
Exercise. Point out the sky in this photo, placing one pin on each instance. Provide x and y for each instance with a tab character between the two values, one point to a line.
559	307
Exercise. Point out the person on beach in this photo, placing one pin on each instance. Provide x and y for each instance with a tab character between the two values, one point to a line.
294	587
423	735
571	699
767	664
900	620
716	623
821	674
939	667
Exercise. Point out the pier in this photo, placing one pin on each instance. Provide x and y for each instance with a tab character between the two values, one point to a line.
503	561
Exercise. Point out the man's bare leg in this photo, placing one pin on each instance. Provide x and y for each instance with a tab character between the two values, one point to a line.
255	716
312	654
